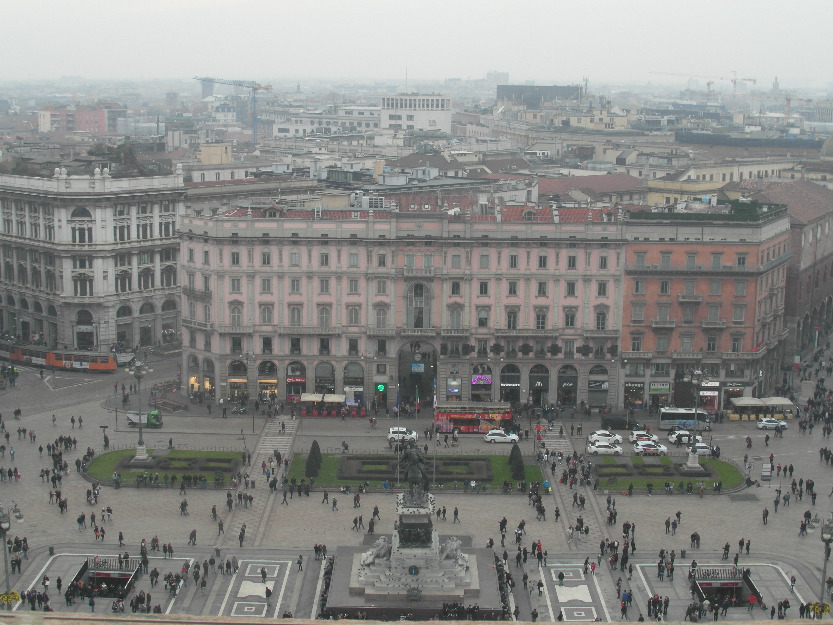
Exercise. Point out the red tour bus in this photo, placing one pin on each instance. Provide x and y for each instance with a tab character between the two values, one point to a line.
463	418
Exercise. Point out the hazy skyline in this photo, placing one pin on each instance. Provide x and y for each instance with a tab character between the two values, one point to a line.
547	41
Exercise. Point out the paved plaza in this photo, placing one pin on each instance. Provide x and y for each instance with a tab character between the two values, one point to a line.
277	534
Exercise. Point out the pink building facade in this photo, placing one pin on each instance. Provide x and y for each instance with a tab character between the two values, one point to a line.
390	306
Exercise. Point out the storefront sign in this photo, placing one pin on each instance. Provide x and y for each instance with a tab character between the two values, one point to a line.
357	382
566	384
597	385
708	393
710	384
417	367
481	379
296	380
659	388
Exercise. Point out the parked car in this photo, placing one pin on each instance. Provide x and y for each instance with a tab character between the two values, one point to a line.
683	436
499	436
647	448
642	435
768	423
397	434
701	449
605	449
604	436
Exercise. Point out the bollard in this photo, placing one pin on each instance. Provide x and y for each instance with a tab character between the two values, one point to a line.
51	551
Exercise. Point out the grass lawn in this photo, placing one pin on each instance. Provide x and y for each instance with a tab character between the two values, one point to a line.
176	462
328	474
723	471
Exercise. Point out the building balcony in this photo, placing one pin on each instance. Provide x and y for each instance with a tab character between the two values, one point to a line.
637	355
600	334
687	355
307	330
235	329
199	325
713	324
742	355
455	331
413	272
374	331
418	332
523	332
689	299
199	294
667	323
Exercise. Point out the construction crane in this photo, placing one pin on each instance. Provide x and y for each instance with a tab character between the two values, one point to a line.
734	79
208	89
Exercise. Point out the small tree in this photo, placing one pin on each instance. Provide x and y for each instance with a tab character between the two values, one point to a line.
516	463
314	460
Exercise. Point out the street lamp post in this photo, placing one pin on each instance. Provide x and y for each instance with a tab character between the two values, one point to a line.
695	377
139	370
5	524
826	538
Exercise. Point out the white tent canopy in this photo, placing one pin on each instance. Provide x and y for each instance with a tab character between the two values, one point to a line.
777	401
747	402
328	398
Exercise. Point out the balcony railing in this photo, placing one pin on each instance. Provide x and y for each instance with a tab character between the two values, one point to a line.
637	355
193	323
693	299
374	331
412	272
741	355
600	334
523	332
667	323
196	293
455	331
687	355
309	330
418	331
713	324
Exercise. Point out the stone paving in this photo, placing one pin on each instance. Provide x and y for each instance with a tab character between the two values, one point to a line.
278	533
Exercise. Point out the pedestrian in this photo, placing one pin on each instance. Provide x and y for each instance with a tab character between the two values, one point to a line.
300	563
456	515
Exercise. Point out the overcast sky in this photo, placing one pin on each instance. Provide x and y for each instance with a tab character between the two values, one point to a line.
548	41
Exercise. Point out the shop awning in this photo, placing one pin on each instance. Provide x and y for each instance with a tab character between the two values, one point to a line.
334	398
747	402
312	397
777	401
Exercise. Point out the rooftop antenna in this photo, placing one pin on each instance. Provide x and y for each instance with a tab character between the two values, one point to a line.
406	79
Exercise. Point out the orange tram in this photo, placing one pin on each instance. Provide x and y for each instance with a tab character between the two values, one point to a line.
40	356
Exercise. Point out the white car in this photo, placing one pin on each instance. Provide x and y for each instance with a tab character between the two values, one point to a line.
684	436
607	449
397	434
604	436
768	423
642	435
701	449
648	448
499	436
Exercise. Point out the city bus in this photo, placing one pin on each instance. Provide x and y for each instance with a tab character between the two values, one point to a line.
688	418
463	418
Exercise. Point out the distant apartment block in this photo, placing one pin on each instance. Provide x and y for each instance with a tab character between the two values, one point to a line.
416	111
96	120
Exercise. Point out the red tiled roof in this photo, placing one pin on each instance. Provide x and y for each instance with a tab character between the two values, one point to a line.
584	215
606	183
303	213
807	201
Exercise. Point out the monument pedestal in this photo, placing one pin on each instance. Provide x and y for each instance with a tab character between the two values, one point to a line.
142	458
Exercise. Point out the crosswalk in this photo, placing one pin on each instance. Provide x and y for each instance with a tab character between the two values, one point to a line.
276	438
555	442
